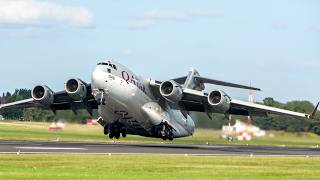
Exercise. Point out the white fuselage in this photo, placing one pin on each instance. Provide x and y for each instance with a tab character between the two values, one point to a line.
129	100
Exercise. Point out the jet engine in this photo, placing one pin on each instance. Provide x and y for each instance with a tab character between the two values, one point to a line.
171	90
43	94
219	101
76	89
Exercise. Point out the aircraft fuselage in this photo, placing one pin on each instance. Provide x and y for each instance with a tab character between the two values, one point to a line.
125	98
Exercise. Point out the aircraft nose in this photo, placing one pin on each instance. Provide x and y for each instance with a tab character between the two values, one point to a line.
98	79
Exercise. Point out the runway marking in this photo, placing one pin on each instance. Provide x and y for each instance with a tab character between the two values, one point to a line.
50	148
161	154
156	146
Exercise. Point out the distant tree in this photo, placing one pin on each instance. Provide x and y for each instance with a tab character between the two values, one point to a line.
300	106
38	114
19	94
269	101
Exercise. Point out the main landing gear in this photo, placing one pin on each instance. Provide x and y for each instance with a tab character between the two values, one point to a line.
115	130
165	131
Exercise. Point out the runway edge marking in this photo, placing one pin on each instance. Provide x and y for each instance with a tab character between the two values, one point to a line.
155	154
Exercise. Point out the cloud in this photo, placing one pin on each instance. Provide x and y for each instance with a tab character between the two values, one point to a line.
26	13
154	17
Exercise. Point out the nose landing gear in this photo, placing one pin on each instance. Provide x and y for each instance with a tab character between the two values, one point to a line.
100	93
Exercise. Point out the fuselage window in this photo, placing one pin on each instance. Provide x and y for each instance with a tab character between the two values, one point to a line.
109	70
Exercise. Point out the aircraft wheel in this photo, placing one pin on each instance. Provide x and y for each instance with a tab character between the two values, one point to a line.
111	136
117	136
170	136
124	134
106	130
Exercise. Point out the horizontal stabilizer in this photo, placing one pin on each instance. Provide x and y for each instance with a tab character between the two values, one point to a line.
222	83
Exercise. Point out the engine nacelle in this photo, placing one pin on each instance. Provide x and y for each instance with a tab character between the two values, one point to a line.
219	101
171	90
76	89
43	94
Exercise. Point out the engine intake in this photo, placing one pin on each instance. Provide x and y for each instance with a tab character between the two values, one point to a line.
219	101
43	94
76	89
171	91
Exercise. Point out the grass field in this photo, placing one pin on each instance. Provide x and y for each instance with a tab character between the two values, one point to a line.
155	167
17	130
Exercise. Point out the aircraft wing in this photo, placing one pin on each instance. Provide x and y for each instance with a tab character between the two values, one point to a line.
20	104
61	101
198	101
247	108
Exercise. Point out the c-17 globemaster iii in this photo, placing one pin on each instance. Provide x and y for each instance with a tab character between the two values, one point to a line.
130	104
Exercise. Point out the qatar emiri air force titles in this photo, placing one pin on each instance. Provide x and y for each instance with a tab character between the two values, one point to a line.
130	104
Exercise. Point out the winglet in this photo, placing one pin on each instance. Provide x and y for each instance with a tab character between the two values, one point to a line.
314	111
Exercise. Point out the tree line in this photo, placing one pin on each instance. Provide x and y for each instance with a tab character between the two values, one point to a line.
283	123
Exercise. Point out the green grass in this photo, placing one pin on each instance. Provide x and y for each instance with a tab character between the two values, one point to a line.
155	167
16	130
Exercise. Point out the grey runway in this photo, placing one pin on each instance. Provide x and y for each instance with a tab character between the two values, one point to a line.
35	147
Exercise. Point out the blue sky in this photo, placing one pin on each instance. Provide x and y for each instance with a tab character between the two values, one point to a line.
275	45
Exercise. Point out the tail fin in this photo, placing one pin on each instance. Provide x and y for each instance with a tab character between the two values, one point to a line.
191	82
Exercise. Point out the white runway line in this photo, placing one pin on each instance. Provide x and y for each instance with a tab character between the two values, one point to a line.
50	148
160	154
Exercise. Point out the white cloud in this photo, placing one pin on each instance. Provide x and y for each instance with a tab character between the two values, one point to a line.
43	13
155	17
141	24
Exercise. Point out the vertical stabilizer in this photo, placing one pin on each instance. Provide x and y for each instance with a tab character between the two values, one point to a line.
192	82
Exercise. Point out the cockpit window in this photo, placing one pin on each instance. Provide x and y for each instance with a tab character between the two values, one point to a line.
108	64
103	63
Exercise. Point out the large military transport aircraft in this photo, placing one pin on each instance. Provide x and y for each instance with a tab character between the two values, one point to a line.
129	104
